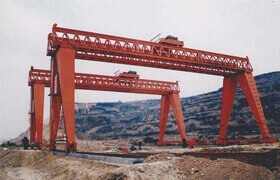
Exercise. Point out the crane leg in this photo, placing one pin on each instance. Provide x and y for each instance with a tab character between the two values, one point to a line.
229	90
32	118
66	70
55	104
55	115
39	90
164	111
178	114
249	88
32	130
251	93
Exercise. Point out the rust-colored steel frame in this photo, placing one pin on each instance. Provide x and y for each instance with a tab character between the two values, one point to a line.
168	90
106	48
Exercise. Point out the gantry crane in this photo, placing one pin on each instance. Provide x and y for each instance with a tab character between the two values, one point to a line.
65	45
39	79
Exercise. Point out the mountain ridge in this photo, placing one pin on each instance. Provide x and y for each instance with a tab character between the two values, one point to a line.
113	120
201	114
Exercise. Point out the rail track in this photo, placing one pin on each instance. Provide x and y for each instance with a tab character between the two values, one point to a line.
269	159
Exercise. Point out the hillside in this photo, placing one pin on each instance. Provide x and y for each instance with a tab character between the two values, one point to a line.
201	113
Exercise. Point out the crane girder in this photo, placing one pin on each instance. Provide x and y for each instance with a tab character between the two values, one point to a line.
109	83
108	48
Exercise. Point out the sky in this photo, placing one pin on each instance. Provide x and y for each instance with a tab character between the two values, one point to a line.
235	27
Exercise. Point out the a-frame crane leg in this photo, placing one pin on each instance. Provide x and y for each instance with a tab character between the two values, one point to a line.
164	111
39	90
229	90
249	88
65	58
37	113
55	104
54	120
178	114
248	85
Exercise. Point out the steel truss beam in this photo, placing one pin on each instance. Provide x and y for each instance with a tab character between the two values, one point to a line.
109	83
107	48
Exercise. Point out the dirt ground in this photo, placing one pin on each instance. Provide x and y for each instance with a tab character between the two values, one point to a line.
32	164
111	145
19	164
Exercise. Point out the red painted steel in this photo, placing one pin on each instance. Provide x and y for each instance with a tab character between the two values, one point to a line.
164	111
65	59
37	111
55	101
107	48
168	90
32	117
260	140
229	90
252	96
39	90
110	83
249	87
175	102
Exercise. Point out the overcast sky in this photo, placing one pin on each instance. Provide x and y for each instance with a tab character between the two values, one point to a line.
243	28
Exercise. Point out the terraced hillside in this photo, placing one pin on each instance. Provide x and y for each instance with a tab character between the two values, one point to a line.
201	113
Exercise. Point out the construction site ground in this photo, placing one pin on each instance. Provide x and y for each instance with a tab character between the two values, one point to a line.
166	162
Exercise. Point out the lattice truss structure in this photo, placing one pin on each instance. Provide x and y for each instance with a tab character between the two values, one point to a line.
107	48
65	45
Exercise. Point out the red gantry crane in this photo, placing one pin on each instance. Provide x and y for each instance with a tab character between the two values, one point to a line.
123	82
65	45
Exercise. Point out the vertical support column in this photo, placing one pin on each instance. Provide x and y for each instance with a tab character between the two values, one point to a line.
32	130
178	114
164	111
251	93
32	117
229	90
39	90
66	71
